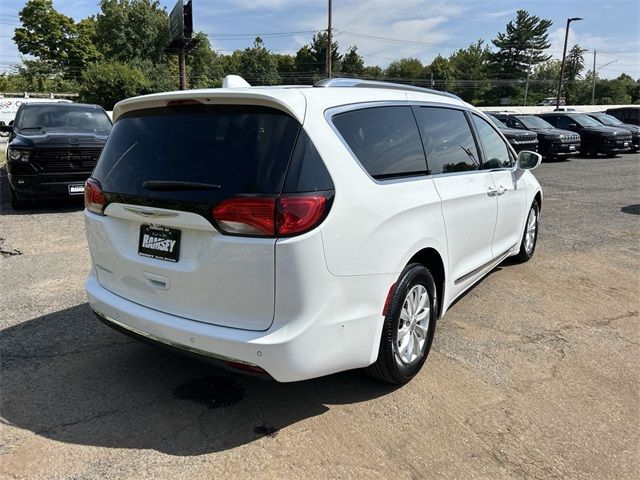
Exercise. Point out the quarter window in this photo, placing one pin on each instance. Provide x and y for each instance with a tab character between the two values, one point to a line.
496	152
448	141
384	139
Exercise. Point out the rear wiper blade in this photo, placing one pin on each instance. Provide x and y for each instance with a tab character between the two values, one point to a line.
171	186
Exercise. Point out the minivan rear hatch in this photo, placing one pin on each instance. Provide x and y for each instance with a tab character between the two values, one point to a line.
163	171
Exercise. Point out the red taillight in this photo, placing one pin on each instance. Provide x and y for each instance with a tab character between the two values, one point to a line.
94	199
268	216
300	213
247	215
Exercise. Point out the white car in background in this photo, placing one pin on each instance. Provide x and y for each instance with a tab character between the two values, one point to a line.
302	231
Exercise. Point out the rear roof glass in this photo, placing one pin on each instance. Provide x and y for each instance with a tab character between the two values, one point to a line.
244	149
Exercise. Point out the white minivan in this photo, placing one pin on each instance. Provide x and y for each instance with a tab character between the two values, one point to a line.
302	231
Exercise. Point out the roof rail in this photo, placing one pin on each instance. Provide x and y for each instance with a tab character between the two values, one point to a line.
361	83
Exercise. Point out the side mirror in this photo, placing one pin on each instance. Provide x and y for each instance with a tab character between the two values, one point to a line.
573	125
6	128
528	160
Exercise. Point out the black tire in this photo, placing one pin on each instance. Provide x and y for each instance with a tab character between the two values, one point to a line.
389	367
526	251
17	203
590	150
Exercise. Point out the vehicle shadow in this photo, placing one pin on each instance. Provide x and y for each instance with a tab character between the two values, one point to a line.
69	378
41	206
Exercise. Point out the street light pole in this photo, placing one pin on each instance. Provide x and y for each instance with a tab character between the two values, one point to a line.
329	41
564	54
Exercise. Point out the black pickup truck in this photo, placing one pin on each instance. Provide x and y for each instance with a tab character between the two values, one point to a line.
594	137
552	142
518	139
52	149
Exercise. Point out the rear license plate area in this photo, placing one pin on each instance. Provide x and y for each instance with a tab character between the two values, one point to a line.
159	242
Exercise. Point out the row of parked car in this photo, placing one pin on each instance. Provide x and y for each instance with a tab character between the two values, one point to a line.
560	134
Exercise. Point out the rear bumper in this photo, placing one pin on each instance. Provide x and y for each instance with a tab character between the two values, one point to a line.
300	349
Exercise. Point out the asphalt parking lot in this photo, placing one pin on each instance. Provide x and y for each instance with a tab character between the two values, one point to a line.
534	373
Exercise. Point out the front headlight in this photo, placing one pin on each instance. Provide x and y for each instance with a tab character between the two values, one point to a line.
16	155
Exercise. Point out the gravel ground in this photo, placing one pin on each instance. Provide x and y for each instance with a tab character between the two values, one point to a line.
533	375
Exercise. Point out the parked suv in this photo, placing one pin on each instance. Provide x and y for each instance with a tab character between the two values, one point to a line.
611	121
626	114
518	139
552	142
52	149
301	231
594	137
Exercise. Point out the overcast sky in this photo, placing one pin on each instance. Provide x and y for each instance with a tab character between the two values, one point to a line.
387	30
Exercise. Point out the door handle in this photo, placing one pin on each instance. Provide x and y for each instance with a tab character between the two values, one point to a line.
492	192
501	190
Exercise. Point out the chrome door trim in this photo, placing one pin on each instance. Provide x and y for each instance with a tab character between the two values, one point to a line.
475	271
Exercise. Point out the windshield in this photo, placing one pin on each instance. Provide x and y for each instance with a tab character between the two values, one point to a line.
530	121
243	149
586	120
60	117
496	121
608	120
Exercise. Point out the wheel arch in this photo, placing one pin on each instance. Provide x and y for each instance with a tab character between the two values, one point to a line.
538	198
432	259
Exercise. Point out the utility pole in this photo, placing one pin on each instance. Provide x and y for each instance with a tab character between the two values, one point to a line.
432	84
593	80
526	87
329	42
564	54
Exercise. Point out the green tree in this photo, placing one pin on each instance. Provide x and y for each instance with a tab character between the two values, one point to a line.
470	68
524	42
204	68
257	65
129	29
442	71
373	72
311	59
406	69
574	65
106	83
543	82
55	38
318	48
352	63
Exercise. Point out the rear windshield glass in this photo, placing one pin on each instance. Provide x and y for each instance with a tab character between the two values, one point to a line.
244	149
61	117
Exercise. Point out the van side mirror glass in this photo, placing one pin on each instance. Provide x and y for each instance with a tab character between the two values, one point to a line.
528	160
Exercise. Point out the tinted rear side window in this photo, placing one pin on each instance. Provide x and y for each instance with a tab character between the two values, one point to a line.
307	172
384	139
245	149
448	141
